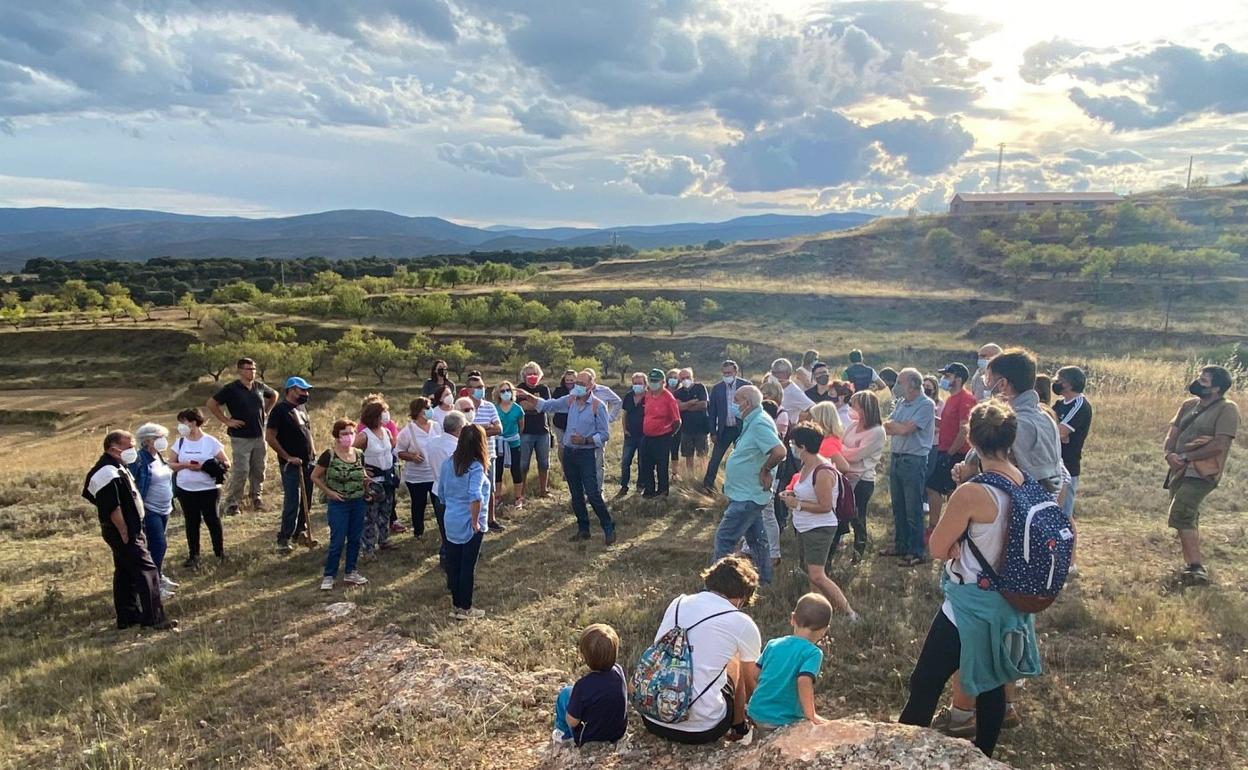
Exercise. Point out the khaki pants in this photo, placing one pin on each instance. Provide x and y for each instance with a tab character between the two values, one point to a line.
246	462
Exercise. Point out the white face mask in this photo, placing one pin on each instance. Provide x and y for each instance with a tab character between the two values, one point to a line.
687	382
448	401
385	417
129	456
161	444
184	429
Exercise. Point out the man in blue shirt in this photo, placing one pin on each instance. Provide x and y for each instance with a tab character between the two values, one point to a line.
912	427
724	427
748	481
587	431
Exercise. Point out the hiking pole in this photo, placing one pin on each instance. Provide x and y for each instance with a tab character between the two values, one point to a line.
307	510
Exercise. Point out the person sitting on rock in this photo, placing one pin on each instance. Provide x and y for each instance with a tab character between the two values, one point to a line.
789	667
596	707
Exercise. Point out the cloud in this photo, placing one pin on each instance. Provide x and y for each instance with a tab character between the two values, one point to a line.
1106	157
474	156
548	118
827	149
1151	88
675	175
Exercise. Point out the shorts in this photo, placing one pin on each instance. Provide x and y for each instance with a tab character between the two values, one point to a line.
712	735
1185	500
939	478
691	443
814	546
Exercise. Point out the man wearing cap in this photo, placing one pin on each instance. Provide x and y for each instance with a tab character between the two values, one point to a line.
587	430
289	434
951	438
659	425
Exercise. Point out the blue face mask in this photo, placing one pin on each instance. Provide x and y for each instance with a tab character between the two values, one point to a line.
478	393
945	384
639	389
734	409
579	390
428	414
505	395
672	382
983	363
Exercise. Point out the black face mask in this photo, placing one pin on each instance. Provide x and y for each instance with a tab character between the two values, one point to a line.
1198	390
822	379
301	399
1058	389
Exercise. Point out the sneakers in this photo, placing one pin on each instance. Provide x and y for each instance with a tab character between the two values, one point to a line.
472	614
327	583
165	582
945	723
610	538
397	528
355	579
165	594
284	546
232	510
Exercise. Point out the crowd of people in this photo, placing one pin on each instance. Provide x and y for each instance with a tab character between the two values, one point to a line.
799	449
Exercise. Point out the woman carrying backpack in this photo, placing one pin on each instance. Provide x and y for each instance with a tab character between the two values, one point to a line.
976	631
811	500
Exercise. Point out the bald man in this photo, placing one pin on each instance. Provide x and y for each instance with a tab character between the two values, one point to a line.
978	387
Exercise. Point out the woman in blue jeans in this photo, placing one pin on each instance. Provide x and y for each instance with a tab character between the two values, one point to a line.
464	489
154	478
339	474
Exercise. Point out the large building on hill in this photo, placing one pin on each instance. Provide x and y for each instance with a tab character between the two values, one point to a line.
992	203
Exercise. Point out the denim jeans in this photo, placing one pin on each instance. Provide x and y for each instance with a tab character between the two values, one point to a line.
727	437
346	525
1068	504
744	518
461	566
632	445
296	486
862	495
531	444
580	470
907	478
154	526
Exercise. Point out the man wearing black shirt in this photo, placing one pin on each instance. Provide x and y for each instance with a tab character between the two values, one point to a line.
1074	419
822	389
634	408
248	400
136	580
695	426
289	434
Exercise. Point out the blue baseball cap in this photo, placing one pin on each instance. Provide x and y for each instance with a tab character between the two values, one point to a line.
297	382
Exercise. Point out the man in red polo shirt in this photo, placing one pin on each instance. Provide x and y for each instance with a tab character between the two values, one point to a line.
951	440
661	423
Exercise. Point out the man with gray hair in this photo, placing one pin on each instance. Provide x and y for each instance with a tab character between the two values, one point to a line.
912	427
794	399
979	381
748	480
440	449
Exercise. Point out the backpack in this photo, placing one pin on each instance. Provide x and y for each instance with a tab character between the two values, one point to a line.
846	508
1038	547
662	682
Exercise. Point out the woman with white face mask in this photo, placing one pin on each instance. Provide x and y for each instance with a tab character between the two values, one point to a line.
154	478
443	401
198	458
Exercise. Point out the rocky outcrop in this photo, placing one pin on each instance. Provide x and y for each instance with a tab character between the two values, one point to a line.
847	744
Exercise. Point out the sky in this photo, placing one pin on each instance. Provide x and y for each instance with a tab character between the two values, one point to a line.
609	112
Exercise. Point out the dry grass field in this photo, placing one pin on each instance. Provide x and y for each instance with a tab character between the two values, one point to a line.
1140	672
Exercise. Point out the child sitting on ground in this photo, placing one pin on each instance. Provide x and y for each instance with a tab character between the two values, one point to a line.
788	669
596	707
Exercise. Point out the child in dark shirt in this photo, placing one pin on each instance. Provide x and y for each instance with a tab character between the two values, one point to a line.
596	707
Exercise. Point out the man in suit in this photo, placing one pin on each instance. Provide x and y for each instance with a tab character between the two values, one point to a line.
724	428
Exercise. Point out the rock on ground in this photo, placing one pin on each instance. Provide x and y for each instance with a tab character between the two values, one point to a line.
848	744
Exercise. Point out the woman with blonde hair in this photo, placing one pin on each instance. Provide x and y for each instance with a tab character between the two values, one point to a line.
511	415
826	416
862	446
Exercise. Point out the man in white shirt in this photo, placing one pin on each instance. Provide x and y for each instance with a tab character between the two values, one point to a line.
441	447
726	644
794	400
485	414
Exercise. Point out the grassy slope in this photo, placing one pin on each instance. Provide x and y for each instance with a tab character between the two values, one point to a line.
1140	672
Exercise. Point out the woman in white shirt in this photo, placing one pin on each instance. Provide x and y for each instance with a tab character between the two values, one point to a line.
443	402
199	461
811	499
413	449
862	445
372	437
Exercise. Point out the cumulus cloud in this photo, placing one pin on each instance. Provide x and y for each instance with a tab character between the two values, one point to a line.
1163	84
474	156
1107	157
675	175
548	118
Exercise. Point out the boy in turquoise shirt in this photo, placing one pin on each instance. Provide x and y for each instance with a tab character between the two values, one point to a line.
789	666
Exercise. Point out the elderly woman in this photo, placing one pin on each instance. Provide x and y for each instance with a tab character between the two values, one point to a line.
535	436
199	461
413	449
154	478
372	437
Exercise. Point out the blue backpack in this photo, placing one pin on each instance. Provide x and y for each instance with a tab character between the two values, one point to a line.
1038	549
662	682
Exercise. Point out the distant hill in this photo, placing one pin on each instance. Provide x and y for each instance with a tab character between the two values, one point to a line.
131	235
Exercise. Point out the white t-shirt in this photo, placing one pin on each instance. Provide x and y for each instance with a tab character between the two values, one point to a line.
804	489
413	439
714	644
794	401
440	448
196	451
439	414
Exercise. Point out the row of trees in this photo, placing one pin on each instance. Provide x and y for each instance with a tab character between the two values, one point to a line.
1097	263
74	301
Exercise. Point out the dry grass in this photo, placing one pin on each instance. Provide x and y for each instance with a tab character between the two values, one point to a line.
1140	672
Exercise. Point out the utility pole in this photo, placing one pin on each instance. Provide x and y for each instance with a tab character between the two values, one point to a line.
1000	160
1190	158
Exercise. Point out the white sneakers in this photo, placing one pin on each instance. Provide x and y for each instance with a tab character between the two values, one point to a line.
354	578
165	594
472	614
165	582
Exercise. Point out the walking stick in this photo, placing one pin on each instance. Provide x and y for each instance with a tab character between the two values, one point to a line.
305	497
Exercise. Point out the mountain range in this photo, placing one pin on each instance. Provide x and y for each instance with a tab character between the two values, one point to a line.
125	234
